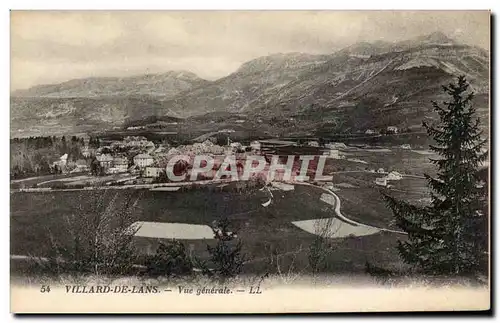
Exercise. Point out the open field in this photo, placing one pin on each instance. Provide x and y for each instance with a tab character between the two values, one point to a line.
396	159
263	230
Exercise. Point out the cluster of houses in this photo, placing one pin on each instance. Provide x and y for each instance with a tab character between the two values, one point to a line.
138	156
134	154
64	166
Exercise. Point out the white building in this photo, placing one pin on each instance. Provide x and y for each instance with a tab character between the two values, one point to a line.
143	160
369	131
63	159
255	145
113	170
382	181
394	176
235	146
334	153
313	144
381	171
88	152
392	129
105	160
336	145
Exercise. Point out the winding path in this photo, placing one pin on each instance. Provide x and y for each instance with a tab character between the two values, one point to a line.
342	217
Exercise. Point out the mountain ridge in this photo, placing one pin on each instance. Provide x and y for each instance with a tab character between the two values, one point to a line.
397	79
171	83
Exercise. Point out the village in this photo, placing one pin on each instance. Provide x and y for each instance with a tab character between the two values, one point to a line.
138	156
135	160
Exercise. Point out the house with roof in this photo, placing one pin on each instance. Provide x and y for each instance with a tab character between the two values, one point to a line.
235	146
392	129
63	159
152	171
333	153
382	181
88	152
394	176
255	146
226	131
336	145
143	160
105	161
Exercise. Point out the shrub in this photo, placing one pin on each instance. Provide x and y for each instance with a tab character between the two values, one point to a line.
170	260
321	247
99	240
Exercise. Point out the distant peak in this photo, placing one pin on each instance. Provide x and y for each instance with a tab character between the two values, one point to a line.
179	74
278	60
436	37
182	73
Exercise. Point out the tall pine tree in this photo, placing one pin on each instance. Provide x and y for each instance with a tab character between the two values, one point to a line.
448	237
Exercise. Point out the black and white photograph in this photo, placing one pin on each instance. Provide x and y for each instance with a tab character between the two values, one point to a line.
209	161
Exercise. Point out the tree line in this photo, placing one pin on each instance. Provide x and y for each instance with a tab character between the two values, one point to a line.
34	156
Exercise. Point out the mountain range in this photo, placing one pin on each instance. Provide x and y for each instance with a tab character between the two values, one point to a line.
365	85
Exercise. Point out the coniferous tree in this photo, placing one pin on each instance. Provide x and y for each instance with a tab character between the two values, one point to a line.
447	237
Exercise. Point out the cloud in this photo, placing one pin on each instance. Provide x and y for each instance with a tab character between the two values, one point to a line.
48	47
65	28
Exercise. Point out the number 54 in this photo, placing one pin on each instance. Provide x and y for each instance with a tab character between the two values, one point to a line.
45	289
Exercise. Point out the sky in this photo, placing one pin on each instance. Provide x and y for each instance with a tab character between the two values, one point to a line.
51	47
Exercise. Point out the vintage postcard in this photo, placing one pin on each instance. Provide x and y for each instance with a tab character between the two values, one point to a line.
249	161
